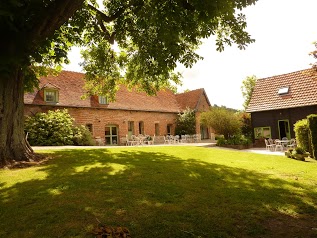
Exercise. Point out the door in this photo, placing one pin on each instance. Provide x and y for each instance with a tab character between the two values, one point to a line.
283	128
141	128
130	128
157	129
169	129
111	135
204	132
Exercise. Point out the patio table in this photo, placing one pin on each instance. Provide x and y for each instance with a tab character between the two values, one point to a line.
284	143
141	139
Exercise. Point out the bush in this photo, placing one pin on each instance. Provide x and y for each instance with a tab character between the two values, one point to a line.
246	127
222	120
217	137
289	152
312	126
186	123
221	141
51	128
298	153
56	128
298	150
82	136
234	140
302	134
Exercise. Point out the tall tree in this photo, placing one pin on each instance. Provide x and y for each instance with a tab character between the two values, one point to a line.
225	122
247	89
246	126
314	54
186	123
151	37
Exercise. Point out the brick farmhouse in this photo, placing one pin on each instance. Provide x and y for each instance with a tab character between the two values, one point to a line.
131	113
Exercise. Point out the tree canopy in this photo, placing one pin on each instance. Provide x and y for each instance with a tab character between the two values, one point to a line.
151	37
186	123
247	88
314	54
224	122
135	42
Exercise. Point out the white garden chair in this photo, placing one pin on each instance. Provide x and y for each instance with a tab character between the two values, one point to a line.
268	145
279	145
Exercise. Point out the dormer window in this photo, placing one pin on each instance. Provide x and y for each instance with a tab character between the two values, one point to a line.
103	100
51	95
283	90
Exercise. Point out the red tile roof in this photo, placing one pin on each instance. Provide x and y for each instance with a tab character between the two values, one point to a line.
70	86
302	91
164	101
191	99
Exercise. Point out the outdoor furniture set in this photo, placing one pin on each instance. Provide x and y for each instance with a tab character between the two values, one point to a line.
280	145
182	139
169	139
140	140
191	138
134	140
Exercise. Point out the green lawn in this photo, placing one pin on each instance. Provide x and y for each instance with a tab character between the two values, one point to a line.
161	192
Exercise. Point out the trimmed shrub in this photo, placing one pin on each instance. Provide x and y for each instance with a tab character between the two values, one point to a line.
302	134
312	126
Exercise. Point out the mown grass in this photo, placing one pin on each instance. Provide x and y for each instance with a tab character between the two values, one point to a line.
161	192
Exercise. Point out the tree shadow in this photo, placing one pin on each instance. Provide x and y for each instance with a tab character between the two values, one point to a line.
154	195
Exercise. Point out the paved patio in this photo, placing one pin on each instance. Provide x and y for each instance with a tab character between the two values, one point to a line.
203	143
264	151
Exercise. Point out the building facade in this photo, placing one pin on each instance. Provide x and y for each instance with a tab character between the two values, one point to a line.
278	102
131	113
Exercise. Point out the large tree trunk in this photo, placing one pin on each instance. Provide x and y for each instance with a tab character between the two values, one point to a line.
13	144
15	51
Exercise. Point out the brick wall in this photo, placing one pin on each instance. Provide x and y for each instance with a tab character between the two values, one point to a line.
202	106
100	118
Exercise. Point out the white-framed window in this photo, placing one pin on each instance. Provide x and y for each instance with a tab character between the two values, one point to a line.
103	100
262	132
283	90
51	96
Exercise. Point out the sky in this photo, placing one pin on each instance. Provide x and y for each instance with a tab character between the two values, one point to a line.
284	32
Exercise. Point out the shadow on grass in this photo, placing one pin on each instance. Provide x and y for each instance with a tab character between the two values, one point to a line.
154	195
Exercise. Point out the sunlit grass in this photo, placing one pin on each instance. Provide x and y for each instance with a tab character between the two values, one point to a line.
161	192
11	177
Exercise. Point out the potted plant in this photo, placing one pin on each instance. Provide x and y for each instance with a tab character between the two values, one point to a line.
299	154
289	152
